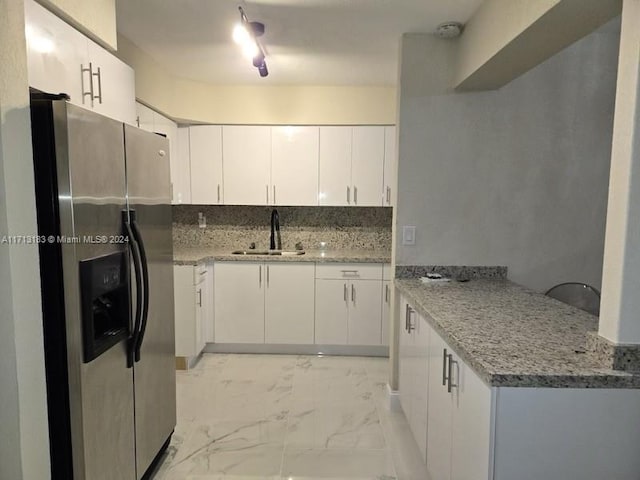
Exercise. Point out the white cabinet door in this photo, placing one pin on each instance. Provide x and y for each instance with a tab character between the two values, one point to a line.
332	297
365	312
386	311
289	303
206	164
390	166
335	166
181	169
55	53
239	302
367	163
294	165
200	318
406	342
185	310
209	319
113	84
419	419
145	117
439	433
471	447
247	165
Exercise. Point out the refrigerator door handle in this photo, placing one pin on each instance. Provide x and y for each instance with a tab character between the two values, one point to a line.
135	253
145	284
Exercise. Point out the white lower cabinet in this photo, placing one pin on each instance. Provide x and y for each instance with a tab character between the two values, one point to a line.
192	299
239	302
414	373
264	302
349	304
289	303
477	432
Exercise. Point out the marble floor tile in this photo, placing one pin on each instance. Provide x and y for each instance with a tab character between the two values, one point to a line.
329	463
288	417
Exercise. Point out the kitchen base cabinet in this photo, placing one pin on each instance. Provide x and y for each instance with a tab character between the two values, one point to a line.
349	304
192	315
239	302
478	432
289	303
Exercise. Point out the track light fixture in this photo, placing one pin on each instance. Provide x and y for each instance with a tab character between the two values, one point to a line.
246	35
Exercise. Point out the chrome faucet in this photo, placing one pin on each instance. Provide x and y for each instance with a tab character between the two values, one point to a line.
275	240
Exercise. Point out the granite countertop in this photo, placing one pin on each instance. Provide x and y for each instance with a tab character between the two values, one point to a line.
192	256
514	337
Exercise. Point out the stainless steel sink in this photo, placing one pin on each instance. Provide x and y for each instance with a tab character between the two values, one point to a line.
269	252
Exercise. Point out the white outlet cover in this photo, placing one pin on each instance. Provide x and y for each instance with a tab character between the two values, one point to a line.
409	235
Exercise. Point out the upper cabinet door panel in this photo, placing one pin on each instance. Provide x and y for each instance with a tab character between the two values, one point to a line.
294	165
335	166
206	164
55	54
181	169
367	162
113	84
247	165
390	166
145	117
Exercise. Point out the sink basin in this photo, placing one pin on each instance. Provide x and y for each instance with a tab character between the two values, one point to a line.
269	252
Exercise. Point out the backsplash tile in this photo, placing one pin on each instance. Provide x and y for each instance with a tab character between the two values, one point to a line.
232	226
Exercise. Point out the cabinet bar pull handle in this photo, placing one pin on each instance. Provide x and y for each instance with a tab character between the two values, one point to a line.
267	188
386	293
218	193
345	292
353	293
99	75
444	367
348	194
260	276
355	194
267	275
406	318
450	383
388	195
274	194
412	326
199	297
90	92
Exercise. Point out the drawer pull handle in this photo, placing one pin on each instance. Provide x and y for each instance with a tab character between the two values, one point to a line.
444	367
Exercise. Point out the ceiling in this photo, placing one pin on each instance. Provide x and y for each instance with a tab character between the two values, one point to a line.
308	42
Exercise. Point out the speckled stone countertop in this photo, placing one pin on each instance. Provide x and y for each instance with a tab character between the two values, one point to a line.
514	337
191	256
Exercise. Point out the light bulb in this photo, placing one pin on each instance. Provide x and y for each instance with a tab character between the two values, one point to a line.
241	35
250	50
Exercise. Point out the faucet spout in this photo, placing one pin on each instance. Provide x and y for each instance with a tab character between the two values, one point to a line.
275	240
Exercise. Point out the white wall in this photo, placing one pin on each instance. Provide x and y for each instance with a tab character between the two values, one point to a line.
24	446
514	177
188	101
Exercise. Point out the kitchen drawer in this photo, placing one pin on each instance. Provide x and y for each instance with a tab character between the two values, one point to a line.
387	273
349	271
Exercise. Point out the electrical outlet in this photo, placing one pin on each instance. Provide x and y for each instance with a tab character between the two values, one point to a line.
202	220
409	235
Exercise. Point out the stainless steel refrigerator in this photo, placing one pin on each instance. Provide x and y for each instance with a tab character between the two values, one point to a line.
103	202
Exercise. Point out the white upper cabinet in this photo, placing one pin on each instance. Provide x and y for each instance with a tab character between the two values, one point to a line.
113	84
367	163
145	117
62	60
206	164
390	166
294	165
335	166
247	165
181	169
55	53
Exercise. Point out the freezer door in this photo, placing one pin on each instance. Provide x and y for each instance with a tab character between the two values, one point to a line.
149	195
91	191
